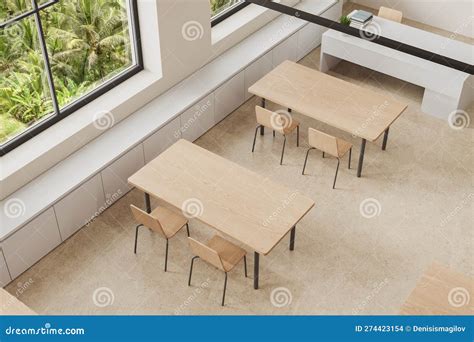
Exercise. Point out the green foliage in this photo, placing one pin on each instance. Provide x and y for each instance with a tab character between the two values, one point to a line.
88	43
219	5
345	20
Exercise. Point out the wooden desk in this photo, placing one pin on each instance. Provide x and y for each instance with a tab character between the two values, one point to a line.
237	202
358	111
10	305
441	291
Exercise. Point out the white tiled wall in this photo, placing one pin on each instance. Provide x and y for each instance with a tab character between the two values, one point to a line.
31	243
80	206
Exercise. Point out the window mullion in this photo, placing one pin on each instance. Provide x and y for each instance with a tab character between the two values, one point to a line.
44	51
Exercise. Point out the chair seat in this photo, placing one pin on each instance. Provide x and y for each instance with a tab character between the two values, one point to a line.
291	127
343	147
170	221
229	253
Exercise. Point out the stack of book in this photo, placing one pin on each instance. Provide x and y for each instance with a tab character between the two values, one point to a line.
360	19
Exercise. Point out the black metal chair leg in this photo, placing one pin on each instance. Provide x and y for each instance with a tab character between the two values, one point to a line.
350	157
335	177
166	256
136	238
187	229
245	265
306	159
298	136
255	138
292	238
274	133
225	287
191	270
324	154
283	150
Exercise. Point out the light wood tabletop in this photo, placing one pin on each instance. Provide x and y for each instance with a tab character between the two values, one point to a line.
10	305
441	291
246	206
335	102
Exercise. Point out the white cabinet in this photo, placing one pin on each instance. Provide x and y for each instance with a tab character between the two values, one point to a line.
29	244
309	38
162	139
229	96
256	71
286	50
80	207
115	176
198	119
4	274
334	12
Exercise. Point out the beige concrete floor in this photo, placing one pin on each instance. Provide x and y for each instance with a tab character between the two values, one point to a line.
344	263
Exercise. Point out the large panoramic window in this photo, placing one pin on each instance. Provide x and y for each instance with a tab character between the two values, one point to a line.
222	9
56	56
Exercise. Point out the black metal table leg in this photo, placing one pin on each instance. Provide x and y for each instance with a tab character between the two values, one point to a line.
361	157
292	238
147	203
256	262
385	138
262	129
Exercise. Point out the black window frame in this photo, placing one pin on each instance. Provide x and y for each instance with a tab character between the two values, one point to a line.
217	19
59	114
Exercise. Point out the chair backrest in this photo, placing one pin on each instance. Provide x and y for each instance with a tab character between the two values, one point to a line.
147	220
322	141
206	253
390	14
272	120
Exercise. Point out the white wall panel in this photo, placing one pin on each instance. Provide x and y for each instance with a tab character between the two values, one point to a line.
198	119
80	206
33	241
162	139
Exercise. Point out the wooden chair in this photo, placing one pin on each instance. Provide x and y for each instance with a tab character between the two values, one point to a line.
281	123
161	220
390	14
220	253
328	144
